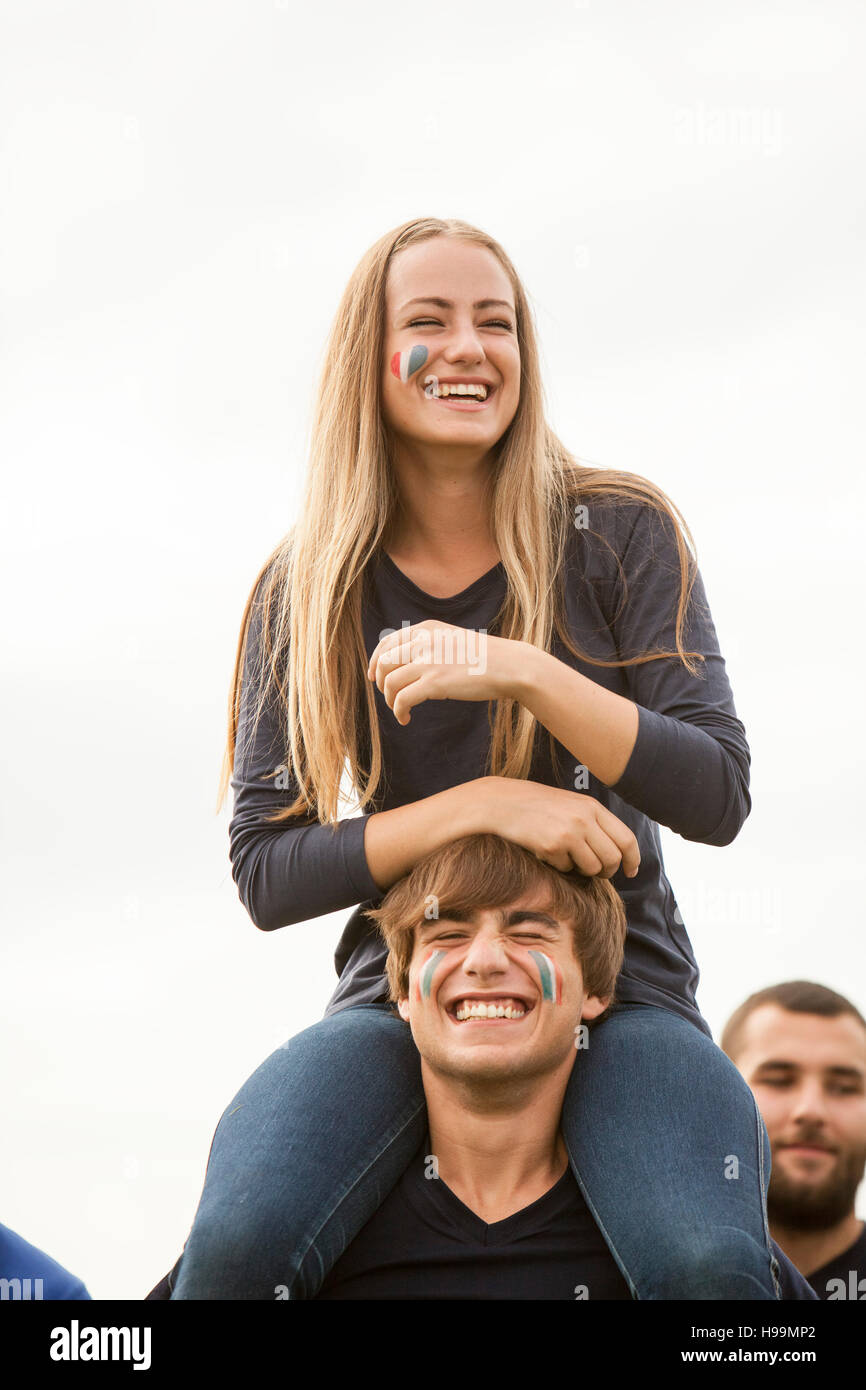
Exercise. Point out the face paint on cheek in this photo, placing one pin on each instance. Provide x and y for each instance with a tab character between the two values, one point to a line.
551	979
406	364
425	975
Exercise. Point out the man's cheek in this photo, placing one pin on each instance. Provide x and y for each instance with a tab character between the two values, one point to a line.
424	978
772	1112
437	964
549	976
544	970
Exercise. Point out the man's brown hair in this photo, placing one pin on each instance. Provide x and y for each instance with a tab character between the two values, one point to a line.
484	871
798	996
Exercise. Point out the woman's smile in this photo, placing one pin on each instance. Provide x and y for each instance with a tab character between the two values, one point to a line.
463	393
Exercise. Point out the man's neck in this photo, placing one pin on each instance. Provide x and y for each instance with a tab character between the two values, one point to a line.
809	1250
499	1149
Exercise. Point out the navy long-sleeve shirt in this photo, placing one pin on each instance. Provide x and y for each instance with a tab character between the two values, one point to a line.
689	769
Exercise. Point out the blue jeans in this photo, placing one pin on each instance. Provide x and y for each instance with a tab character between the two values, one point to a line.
663	1135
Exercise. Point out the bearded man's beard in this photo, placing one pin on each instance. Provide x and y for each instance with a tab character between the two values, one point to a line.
799	1205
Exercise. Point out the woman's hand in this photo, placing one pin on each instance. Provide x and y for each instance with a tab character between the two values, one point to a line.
566	829
437	661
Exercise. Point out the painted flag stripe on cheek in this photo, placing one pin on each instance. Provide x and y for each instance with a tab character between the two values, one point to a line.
428	969
551	980
406	364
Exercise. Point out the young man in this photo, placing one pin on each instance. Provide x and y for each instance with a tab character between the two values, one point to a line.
802	1049
501	1001
501	973
488	1208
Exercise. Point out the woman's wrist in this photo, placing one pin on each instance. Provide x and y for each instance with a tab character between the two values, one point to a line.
469	807
395	840
530	665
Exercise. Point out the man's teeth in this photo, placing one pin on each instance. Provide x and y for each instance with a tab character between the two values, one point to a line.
475	1008
455	388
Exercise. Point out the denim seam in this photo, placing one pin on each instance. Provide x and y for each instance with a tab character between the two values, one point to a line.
347	1194
774	1263
601	1226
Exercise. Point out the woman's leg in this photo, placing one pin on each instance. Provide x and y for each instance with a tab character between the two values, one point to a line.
671	1154
305	1153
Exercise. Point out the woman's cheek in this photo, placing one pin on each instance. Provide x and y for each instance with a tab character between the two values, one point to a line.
405	364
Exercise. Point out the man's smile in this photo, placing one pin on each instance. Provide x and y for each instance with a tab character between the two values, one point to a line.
802	1150
488	1008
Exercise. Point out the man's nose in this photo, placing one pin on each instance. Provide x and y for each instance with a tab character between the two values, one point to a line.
486	955
810	1103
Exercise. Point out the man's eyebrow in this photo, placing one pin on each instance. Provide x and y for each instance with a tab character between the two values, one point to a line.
448	304
777	1064
510	918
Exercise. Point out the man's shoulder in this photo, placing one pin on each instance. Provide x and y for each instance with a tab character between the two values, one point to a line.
843	1277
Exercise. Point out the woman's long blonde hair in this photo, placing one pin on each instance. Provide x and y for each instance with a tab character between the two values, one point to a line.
310	588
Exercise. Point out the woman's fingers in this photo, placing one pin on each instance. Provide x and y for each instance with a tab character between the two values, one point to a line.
395	683
624	839
601	851
600	844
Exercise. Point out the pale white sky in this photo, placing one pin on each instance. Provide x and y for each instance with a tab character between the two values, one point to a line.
186	188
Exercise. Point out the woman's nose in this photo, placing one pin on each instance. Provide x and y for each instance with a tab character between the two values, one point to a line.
464	344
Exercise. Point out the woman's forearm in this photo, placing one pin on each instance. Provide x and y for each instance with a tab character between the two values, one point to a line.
395	841
598	727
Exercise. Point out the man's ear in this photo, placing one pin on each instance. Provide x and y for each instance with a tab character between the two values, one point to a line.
593	1005
403	1006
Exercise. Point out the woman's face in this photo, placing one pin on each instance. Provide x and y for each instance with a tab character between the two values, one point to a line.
470	336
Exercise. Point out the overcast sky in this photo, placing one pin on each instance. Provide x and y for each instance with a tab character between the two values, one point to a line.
186	188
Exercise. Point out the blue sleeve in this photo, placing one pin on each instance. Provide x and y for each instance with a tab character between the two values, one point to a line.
33	1275
299	868
689	768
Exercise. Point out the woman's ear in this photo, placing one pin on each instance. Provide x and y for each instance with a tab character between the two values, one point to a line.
403	1006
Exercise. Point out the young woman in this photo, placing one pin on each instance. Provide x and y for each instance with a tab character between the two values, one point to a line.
582	702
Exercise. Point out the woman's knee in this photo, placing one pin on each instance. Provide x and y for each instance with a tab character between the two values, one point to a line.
711	1263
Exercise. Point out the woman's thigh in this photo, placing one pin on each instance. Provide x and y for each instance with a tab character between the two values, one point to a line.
302	1157
671	1154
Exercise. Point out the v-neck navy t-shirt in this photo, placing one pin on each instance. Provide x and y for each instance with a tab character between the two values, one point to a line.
689	769
425	1243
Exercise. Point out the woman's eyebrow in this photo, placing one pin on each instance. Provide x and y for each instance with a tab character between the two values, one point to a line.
448	304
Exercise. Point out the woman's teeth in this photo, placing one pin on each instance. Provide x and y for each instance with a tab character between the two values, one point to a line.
455	388
471	1008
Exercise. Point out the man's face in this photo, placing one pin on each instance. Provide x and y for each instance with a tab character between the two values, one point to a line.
517	963
808	1075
